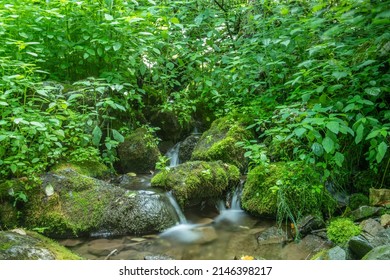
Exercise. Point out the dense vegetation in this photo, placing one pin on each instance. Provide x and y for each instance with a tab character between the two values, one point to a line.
310	78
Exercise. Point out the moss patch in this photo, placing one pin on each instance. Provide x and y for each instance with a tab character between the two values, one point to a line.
197	180
88	168
341	230
287	189
219	143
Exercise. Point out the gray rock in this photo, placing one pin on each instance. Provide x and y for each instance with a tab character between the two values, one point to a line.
273	235
309	223
337	253
140	212
359	246
187	147
16	246
371	227
378	253
364	212
382	238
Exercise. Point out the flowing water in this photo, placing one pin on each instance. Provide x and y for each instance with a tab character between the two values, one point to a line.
221	231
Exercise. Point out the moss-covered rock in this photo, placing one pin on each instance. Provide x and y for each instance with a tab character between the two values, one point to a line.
27	245
70	204
194	181
219	143
88	168
288	189
139	152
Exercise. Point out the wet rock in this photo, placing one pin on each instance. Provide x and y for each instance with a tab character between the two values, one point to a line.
31	246
309	245
335	253
187	147
273	235
364	212
382	238
138	153
168	122
140	212
359	246
219	143
132	181
385	220
158	258
195	181
309	223
379	197
371	227
378	253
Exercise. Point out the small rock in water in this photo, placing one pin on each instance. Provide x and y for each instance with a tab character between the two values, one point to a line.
273	235
158	257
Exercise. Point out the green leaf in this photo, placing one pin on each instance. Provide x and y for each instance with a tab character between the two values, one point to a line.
339	75
108	17
13	168
175	20
374	91
96	135
35	160
170	65
382	148
359	134
2	103
333	126
373	134
328	144
117	136
300	131
117	46
339	159
317	149
2	137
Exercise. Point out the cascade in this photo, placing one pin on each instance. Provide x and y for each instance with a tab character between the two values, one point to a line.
179	212
173	155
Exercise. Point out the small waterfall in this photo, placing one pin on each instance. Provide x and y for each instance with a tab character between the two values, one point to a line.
179	212
173	155
233	214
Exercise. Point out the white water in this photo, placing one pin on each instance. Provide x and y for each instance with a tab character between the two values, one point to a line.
233	214
179	212
173	155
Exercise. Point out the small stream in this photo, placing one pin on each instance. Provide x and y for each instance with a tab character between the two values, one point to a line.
207	232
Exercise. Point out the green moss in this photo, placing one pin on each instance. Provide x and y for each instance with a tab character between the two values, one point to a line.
88	168
285	189
197	180
219	143
60	252
341	230
67	214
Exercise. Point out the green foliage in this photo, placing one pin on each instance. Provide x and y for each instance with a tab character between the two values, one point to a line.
341	230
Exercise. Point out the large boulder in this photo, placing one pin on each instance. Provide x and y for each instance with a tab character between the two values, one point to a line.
139	152
195	181
291	187
140	212
21	245
70	204
219	143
